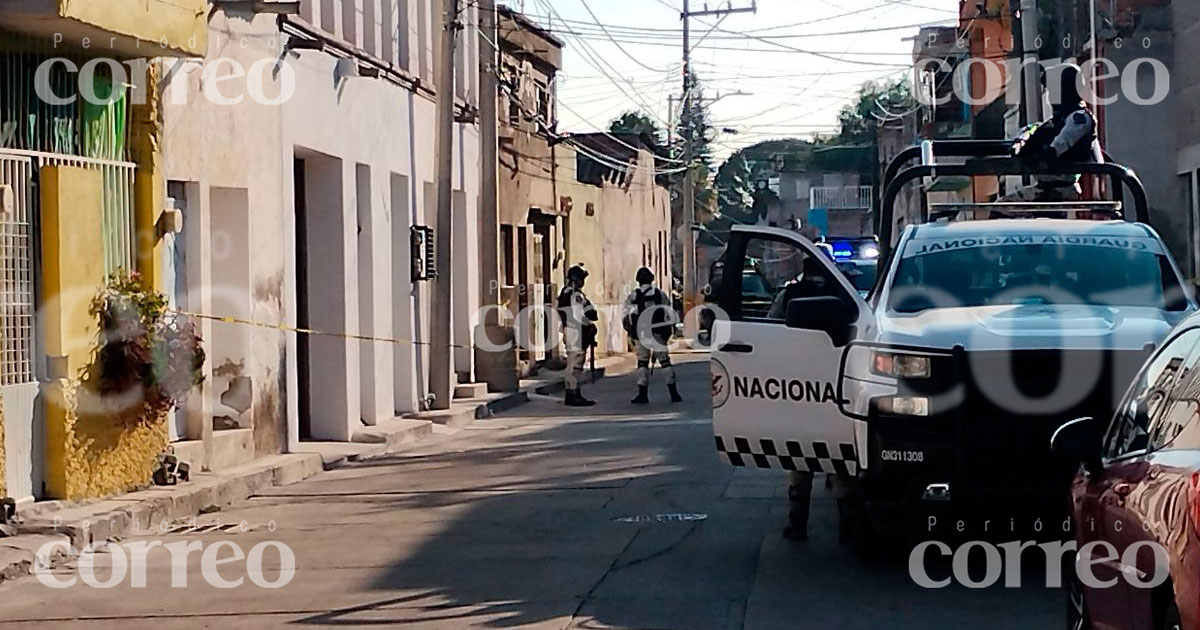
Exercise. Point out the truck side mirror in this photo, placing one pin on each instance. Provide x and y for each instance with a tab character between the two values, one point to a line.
829	315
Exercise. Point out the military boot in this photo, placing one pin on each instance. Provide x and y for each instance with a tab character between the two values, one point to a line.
575	399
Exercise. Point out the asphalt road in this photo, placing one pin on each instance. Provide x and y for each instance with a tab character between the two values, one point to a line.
612	517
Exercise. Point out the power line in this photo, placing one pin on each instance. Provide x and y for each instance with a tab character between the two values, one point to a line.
591	28
605	160
873	7
611	38
596	61
788	50
614	138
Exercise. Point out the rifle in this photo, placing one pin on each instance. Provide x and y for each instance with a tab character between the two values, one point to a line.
590	332
593	350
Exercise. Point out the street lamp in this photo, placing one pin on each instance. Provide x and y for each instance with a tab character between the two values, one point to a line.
728	94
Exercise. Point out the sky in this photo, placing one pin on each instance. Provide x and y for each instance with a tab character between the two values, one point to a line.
788	93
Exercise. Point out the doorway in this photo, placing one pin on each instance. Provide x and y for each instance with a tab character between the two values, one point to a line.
327	361
302	320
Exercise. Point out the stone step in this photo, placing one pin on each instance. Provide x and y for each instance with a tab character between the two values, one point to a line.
470	391
396	432
457	416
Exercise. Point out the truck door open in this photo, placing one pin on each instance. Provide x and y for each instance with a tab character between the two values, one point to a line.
775	388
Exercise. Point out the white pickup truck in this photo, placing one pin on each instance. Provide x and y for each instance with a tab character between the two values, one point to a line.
940	390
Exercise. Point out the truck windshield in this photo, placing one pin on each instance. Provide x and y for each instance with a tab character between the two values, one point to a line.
1035	274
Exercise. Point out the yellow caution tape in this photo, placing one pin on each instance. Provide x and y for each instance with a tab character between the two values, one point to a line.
308	331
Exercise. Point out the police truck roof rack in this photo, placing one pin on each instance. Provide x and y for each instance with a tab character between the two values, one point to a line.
990	157
1088	210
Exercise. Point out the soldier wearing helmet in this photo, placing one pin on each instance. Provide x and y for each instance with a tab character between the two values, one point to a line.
650	320
1070	136
578	317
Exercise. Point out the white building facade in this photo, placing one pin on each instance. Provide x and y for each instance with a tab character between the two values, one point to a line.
299	204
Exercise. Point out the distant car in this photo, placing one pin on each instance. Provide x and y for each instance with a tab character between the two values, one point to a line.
756	289
861	274
1139	486
852	248
757	294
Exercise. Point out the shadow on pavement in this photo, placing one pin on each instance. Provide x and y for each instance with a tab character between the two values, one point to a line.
590	518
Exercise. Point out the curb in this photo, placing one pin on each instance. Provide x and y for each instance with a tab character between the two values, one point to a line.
76	526
145	510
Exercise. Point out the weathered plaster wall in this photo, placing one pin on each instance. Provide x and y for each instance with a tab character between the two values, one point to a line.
623	234
225	151
177	25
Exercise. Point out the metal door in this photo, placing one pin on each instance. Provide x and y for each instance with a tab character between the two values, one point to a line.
19	267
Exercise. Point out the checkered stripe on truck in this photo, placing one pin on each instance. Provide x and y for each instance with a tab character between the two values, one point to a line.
816	457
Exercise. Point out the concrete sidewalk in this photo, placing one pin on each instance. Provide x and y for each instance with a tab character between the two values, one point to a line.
157	508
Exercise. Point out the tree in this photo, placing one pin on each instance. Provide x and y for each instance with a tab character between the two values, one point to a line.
735	189
640	124
875	101
741	198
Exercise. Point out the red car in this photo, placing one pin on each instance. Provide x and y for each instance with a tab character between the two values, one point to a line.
1136	500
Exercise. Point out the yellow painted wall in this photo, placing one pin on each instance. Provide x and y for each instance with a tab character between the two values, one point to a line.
93	447
181	24
93	451
72	262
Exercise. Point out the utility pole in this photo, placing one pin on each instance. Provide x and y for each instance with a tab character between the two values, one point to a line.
690	289
489	191
1030	67
440	351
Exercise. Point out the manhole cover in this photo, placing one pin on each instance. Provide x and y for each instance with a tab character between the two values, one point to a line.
663	518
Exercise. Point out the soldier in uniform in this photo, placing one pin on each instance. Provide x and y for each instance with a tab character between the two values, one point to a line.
579	318
650	319
1069	137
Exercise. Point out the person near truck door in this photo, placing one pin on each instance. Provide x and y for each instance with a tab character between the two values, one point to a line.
579	318
649	320
800	485
812	282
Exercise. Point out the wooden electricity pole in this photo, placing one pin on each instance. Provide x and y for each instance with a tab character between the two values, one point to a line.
688	194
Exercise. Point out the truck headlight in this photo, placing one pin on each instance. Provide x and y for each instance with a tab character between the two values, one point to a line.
898	365
903	406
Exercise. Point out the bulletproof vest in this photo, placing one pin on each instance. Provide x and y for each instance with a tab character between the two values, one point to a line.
644	301
565	305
